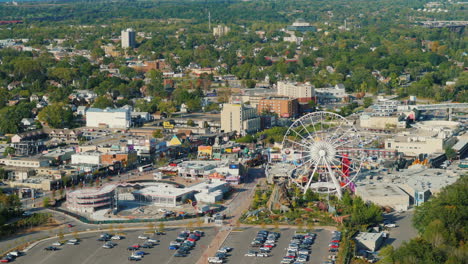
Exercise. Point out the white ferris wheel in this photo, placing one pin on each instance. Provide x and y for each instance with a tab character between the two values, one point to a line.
324	148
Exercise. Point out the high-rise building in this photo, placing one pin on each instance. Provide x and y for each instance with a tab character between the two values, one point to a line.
128	38
237	117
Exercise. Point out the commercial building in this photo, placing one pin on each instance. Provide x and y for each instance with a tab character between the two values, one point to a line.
331	94
283	107
128	38
417	183
420	142
108	118
388	195
168	195
126	159
220	31
223	170
301	91
382	122
89	158
385	107
369	241
24	162
239	118
91	199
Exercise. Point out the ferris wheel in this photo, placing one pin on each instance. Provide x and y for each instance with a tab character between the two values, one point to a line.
323	147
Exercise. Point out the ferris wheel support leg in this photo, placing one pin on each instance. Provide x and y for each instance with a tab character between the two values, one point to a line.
335	181
312	176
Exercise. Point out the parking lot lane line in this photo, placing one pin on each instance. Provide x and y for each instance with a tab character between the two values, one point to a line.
44	260
92	256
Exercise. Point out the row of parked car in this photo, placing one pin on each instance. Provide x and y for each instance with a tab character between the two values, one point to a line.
185	242
11	256
220	256
299	248
333	247
264	241
137	253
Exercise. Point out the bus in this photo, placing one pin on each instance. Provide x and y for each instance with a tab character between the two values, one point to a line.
146	167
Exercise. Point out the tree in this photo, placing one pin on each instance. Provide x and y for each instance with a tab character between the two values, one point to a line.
57	115
450	153
158	133
190	122
368	101
103	102
9	151
46	202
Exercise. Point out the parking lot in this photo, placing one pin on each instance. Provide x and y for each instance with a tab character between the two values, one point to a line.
89	250
240	242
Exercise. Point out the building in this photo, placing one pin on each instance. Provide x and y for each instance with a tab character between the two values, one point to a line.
369	241
126	159
417	183
239	118
301	26
168	195
283	107
91	199
386	195
420	142
302	91
220	31
222	170
65	135
128	38
109	118
382	122
89	158
385	107
24	162
333	94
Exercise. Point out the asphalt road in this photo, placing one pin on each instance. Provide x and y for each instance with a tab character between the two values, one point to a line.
90	251
404	230
240	241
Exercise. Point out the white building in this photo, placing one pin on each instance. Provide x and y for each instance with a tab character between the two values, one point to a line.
385	107
296	90
109	118
220	31
384	195
128	38
331	94
420	142
24	162
237	117
90	158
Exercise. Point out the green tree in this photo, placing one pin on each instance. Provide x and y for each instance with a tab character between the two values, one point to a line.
57	115
103	102
46	202
450	153
368	101
9	151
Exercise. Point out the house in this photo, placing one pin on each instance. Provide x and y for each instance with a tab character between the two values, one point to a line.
25	136
65	135
27	122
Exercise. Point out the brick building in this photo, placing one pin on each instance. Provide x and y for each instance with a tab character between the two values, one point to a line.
284	107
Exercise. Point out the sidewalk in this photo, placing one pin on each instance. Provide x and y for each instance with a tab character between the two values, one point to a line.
241	203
